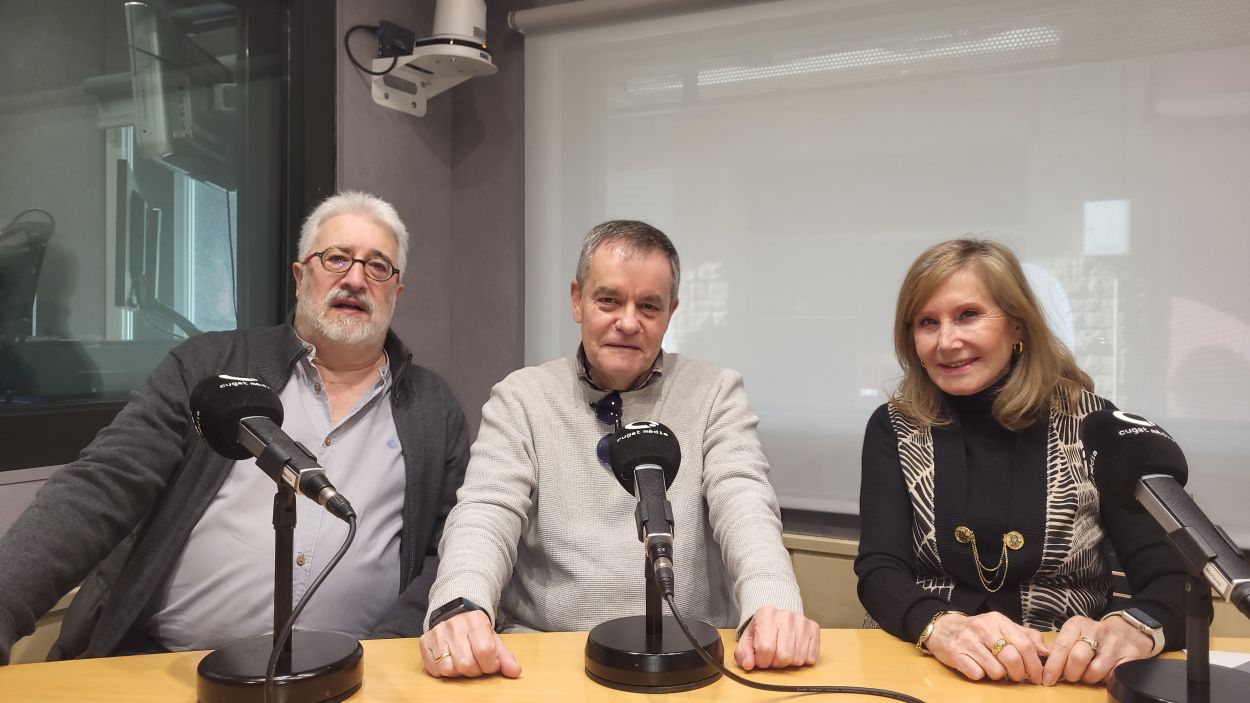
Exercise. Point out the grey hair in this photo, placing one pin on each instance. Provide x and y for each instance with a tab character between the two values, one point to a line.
356	203
634	237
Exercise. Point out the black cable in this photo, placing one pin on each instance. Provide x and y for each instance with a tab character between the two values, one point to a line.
18	216
347	47
138	296
271	670
158	57
147	315
778	687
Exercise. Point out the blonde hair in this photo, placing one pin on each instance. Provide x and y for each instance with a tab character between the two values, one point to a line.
1043	372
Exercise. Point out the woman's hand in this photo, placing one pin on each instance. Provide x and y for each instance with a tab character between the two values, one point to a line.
1088	651
967	644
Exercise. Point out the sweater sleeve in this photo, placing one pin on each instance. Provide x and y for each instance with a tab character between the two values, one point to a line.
87	507
478	548
887	579
742	507
1155	572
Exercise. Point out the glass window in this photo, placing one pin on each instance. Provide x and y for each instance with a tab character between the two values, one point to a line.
123	180
140	187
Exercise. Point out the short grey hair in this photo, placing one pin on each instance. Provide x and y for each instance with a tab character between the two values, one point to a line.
355	202
634	237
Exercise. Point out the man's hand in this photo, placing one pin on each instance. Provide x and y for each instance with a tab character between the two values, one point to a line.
466	645
988	646
1088	651
775	639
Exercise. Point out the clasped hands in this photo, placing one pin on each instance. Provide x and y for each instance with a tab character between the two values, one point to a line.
992	646
466	645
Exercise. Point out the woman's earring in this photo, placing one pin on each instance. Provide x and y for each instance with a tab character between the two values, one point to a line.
1018	348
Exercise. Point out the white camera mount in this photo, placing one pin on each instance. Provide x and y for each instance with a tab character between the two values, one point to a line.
455	53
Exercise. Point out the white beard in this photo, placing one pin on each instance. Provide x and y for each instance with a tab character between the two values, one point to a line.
344	329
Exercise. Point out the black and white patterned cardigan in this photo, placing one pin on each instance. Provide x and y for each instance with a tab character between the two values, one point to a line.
1071	575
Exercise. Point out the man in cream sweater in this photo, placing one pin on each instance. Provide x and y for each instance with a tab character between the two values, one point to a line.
543	537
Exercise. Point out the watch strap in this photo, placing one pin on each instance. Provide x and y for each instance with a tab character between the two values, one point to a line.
450	610
1155	634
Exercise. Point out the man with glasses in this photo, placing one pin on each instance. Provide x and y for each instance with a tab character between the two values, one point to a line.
543	537
182	537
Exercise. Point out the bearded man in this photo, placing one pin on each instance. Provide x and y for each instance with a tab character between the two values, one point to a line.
174	542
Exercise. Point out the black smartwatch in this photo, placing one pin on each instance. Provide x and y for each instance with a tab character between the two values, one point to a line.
1144	624
451	609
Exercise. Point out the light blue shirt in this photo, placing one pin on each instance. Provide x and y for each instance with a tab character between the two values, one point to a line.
221	588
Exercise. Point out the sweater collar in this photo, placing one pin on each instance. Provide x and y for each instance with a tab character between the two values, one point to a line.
980	403
583	372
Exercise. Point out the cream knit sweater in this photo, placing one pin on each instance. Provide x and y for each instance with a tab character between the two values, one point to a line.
543	536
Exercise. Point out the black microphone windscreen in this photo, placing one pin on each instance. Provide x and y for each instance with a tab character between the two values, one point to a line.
1123	447
644	442
218	403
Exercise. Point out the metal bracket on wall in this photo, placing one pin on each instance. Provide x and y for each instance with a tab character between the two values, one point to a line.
430	69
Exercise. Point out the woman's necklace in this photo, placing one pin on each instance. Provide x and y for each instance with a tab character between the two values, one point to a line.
1012	541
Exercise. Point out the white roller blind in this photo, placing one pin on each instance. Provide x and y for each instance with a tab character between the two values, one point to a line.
801	153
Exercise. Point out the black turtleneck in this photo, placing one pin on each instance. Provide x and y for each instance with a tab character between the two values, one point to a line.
988	448
992	480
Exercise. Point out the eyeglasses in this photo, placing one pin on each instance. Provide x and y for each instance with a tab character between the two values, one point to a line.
608	411
336	260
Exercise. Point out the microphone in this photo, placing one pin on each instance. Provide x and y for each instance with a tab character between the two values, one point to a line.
644	457
241	418
1136	463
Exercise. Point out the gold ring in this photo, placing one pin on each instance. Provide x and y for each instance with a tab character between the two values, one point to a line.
1093	643
998	646
442	656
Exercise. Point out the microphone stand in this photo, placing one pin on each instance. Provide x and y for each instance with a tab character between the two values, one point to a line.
313	667
1194	680
638	654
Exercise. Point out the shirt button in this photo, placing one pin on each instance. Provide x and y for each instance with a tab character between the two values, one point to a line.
328	441
299	560
317	387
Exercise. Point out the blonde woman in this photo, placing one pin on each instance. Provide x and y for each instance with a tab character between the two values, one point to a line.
982	527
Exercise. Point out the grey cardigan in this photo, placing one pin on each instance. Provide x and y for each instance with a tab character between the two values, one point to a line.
117	518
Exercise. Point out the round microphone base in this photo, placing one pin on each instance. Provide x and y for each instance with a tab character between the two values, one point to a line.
620	655
325	667
1160	681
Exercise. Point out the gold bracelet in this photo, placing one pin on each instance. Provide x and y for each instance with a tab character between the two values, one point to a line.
928	629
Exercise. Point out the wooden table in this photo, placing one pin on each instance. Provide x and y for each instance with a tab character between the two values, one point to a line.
552	666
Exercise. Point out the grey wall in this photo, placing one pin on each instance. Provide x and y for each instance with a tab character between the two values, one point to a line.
17	490
407	161
456	177
488	221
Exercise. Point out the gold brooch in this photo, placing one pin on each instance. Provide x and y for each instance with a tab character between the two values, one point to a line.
1012	541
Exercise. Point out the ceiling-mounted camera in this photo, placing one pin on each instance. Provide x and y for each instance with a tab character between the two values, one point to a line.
454	53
